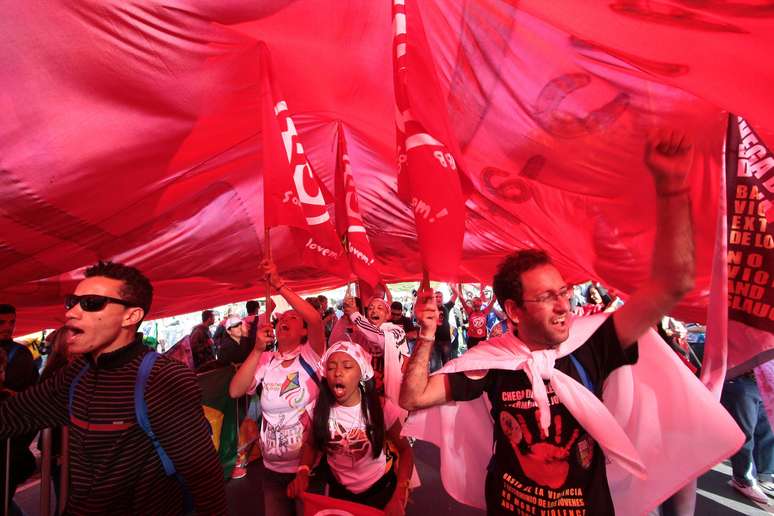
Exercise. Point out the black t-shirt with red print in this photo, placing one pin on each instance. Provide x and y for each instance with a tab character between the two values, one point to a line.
531	473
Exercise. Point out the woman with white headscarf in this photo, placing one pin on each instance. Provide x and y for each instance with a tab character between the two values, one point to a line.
351	428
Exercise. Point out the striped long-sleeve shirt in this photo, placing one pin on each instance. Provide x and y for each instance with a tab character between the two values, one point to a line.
113	466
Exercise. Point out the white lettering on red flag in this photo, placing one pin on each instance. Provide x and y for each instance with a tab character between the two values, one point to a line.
428	176
293	195
349	222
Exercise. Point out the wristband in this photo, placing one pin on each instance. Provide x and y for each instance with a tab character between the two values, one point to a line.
303	467
282	285
426	339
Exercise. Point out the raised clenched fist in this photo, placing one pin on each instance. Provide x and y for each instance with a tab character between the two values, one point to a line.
668	156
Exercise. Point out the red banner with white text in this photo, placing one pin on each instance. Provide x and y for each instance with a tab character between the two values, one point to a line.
428	175
293	195
349	221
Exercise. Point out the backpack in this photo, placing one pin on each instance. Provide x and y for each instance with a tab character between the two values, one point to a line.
141	414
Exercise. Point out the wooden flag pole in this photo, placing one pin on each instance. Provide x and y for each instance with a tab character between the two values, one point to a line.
267	256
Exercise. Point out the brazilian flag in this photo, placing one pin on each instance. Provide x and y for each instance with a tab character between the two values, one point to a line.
221	412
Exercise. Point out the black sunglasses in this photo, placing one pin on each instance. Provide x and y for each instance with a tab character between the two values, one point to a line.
92	302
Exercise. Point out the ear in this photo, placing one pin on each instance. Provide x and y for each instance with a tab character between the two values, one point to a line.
133	316
512	311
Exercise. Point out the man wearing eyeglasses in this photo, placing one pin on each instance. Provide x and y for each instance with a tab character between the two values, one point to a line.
545	460
114	467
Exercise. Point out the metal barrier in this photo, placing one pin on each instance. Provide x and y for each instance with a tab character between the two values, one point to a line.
7	476
46	467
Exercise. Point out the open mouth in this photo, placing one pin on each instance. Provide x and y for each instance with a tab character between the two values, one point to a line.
560	322
339	390
72	333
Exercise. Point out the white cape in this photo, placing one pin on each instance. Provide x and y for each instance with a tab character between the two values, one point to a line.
676	426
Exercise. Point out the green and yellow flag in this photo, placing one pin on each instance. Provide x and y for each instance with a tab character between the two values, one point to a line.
221	412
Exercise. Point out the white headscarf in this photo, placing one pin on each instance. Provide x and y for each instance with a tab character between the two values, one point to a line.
358	354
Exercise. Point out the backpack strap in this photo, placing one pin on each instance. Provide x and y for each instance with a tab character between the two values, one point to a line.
582	373
141	413
13	351
141	410
310	371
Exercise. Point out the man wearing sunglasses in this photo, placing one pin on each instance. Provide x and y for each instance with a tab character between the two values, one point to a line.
545	459
114	467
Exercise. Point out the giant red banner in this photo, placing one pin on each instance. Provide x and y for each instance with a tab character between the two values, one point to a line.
133	132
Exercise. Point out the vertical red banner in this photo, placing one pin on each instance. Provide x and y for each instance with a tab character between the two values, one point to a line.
349	221
293	195
428	175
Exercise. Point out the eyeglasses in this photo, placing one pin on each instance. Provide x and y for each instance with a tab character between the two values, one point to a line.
551	296
92	302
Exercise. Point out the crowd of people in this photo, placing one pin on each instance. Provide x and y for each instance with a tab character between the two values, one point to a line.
336	385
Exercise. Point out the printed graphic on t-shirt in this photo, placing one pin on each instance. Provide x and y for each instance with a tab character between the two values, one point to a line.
282	439
352	443
477	325
546	459
290	384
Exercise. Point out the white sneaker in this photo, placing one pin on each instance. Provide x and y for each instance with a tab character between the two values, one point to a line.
753	492
767	486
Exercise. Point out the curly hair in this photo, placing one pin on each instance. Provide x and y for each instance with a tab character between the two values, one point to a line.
507	281
136	288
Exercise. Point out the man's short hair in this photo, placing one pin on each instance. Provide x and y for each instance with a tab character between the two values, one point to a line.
396	305
322	299
136	288
7	309
507	281
252	307
314	302
207	314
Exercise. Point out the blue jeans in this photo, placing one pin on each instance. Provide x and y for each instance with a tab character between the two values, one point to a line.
755	459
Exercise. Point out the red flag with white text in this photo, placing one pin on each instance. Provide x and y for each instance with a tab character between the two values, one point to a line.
349	222
428	175
293	195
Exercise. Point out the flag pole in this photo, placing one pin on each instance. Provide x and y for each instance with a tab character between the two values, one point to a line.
267	255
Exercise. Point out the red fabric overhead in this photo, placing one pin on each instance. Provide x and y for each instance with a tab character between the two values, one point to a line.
132	131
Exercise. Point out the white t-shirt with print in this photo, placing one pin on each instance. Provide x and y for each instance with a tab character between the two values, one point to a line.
287	401
349	451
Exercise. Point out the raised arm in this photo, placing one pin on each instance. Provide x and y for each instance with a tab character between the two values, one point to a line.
457	290
668	156
315	327
490	305
419	390
245	376
387	292
454	296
